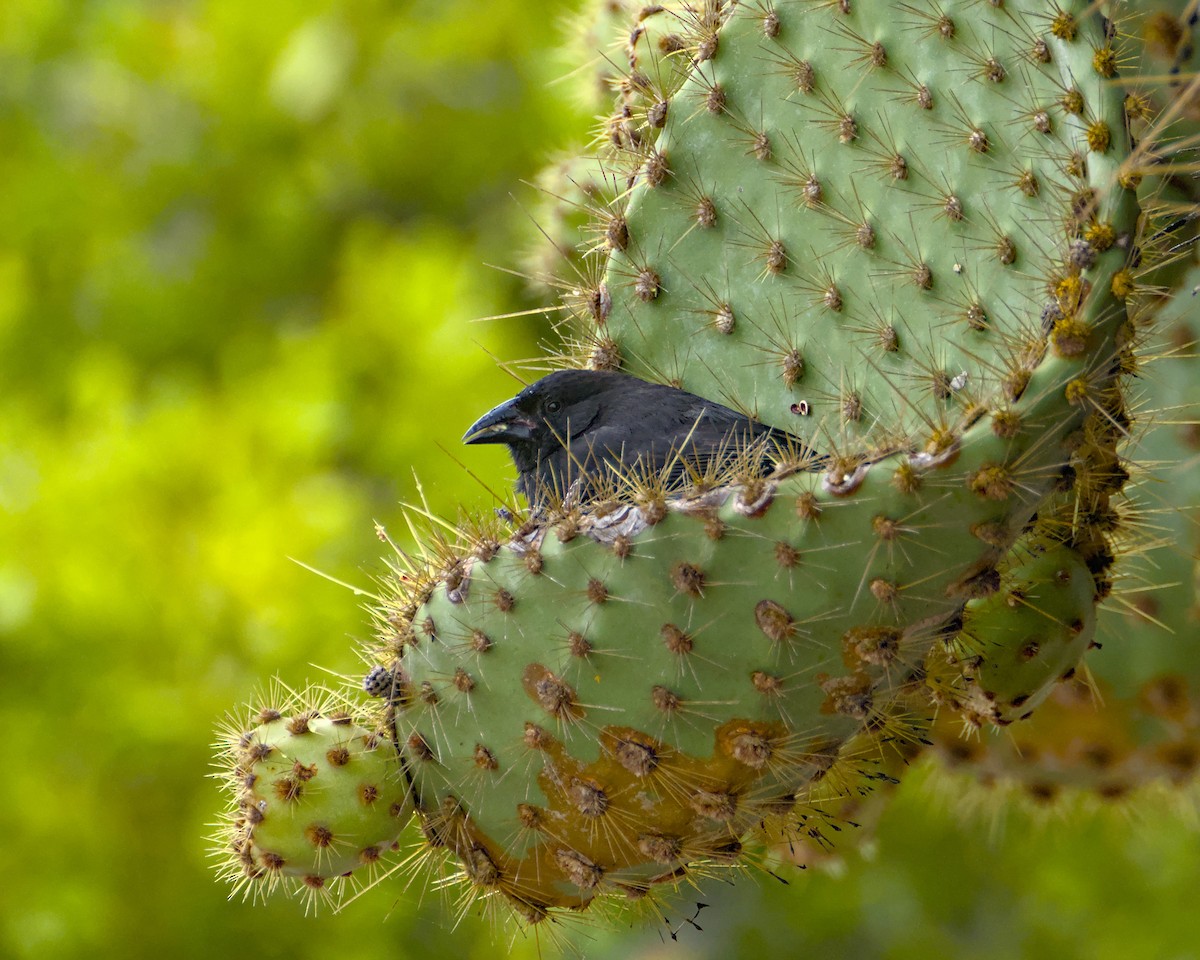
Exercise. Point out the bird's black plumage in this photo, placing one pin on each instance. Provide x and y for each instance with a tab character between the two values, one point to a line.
580	425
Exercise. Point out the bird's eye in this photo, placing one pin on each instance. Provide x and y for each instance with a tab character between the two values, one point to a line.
553	406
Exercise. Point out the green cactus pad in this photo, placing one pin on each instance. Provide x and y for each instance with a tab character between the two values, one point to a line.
316	794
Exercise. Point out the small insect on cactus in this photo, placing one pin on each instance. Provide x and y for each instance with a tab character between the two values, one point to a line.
912	240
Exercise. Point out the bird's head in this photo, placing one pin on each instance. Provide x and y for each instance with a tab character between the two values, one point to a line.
544	417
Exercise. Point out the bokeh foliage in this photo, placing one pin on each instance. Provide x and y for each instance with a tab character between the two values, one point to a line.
241	250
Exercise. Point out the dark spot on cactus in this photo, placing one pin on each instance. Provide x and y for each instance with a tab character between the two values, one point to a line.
1042	122
1076	165
622	546
706	216
665	700
922	276
368	793
978	141
313	882
774	621
337	756
656	116
369	855
503	600
1006	250
688	579
924	97
786	555
864	235
420	747
976	317
659	848
804	76
847	128
268	715
429	628
578	869
993	70
640	759
1040	51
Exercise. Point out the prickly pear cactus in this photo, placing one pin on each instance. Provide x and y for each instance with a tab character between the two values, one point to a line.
908	239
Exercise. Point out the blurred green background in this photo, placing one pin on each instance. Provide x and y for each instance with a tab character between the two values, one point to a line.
243	248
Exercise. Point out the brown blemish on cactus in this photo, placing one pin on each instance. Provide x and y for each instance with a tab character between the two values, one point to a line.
368	793
288	789
484	758
551	693
807	506
479	867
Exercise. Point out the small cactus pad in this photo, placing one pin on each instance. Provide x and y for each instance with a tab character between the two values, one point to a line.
316	794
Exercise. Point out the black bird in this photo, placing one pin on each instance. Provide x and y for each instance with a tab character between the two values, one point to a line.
578	425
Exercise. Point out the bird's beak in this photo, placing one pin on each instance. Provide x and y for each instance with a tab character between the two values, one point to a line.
504	424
